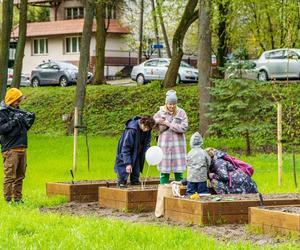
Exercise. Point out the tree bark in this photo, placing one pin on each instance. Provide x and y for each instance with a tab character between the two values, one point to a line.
84	58
188	17
223	7
101	34
141	31
7	17
204	62
21	45
155	25
163	28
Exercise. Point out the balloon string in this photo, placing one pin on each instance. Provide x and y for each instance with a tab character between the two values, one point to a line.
144	183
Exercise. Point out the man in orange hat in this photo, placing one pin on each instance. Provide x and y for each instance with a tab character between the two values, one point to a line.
14	124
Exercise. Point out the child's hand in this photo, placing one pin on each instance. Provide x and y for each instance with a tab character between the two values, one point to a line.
211	175
128	169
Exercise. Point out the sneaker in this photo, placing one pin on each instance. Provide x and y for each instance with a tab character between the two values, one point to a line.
8	200
136	183
121	185
18	201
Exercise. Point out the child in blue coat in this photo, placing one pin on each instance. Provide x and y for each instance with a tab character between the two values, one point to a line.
132	146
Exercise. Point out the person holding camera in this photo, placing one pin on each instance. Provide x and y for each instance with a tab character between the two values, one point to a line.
14	124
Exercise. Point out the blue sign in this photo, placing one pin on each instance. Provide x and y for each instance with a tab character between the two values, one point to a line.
157	46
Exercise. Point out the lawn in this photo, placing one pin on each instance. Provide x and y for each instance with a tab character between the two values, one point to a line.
50	159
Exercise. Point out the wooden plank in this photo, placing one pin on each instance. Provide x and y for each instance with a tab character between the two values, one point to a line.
224	219
113	194
120	205
142	195
183	217
145	206
183	205
52	188
275	218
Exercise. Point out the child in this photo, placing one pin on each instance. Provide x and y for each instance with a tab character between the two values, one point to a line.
132	146
198	162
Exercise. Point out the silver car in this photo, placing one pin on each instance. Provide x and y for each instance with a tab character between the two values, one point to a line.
25	81
279	64
242	70
156	69
54	72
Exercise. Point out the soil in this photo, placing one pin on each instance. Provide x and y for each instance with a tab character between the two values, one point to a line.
245	197
292	209
225	233
80	182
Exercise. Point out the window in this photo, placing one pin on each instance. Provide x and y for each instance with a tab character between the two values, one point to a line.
40	46
278	54
72	44
110	12
74	13
163	63
152	63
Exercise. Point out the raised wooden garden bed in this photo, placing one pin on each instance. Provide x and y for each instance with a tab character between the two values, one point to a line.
276	219
83	191
134	199
221	209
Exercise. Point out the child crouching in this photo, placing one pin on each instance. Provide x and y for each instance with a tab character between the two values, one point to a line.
198	162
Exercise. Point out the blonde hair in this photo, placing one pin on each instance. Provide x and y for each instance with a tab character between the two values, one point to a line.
210	151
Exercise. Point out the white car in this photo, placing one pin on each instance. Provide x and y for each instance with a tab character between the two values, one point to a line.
25	81
279	64
156	69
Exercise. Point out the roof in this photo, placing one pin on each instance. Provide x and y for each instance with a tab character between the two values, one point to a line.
65	27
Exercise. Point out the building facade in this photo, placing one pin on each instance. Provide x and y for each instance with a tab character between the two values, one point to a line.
59	39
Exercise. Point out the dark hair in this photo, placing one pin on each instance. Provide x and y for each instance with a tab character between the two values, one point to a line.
147	121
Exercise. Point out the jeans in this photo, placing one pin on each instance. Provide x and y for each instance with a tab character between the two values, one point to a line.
196	187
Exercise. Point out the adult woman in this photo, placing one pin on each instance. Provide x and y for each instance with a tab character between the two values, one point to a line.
226	178
172	124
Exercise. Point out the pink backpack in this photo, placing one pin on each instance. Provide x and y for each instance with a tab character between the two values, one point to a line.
238	164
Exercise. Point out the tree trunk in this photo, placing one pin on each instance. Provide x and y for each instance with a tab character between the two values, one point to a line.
7	17
21	45
204	62
248	144
223	7
188	17
101	33
155	25
84	58
141	31
163	28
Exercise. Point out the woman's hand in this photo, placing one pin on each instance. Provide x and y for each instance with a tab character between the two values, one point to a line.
128	169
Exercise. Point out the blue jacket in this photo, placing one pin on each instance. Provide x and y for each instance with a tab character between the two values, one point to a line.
130	151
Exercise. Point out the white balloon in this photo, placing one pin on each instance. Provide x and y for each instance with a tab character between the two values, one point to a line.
154	155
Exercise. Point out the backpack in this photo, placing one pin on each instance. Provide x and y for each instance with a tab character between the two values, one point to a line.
238	164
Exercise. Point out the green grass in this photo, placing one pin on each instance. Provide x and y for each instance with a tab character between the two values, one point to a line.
50	158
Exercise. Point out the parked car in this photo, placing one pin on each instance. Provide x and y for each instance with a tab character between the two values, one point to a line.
279	64
241	69
25	80
156	69
55	72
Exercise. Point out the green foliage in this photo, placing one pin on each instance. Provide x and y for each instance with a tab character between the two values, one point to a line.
107	107
239	108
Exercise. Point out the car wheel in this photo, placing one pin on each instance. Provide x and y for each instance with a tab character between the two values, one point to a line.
263	75
63	81
178	79
35	82
140	79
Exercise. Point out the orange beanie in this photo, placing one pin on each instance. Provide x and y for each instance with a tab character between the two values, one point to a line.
12	95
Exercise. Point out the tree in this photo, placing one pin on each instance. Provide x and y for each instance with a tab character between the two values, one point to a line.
21	45
222	47
155	25
101	34
204	62
188	17
141	32
84	57
7	17
163	28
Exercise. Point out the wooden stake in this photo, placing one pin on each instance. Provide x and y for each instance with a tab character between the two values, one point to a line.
279	142
75	138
